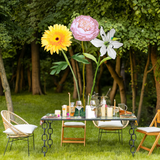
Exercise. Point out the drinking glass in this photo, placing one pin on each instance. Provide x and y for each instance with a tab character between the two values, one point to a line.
93	107
117	112
122	106
72	107
79	106
93	104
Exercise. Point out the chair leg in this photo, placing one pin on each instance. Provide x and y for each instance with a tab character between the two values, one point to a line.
119	135
28	145
84	135
33	142
62	135
122	136
11	144
6	146
141	142
99	135
157	145
154	144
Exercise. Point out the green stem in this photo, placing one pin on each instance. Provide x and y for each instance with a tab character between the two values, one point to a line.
83	78
94	80
72	73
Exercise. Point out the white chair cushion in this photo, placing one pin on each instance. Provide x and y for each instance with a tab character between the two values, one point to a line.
74	124
149	129
110	124
25	128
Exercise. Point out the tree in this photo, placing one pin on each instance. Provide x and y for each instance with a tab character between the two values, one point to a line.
5	41
19	68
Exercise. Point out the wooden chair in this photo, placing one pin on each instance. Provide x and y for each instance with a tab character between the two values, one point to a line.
152	130
111	126
73	125
16	128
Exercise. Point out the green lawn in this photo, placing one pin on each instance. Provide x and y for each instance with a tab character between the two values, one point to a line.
32	108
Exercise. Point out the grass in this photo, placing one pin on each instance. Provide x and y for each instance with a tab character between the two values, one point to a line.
32	108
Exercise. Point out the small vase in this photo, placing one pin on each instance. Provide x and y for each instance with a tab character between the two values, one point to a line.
91	112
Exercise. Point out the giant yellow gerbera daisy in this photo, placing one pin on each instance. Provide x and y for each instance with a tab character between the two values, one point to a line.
56	38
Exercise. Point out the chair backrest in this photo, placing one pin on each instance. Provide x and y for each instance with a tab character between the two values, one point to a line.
10	119
6	118
124	122
156	119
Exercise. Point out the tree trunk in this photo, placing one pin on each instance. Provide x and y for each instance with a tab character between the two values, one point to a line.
18	70
132	82
154	59
143	87
54	80
60	84
21	79
114	87
1	88
36	88
119	81
75	73
123	73
135	75
89	77
5	84
29	79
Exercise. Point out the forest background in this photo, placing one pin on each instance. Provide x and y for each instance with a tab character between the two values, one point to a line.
25	66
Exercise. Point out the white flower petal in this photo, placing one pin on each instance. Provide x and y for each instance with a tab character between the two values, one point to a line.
103	34
103	50
97	43
116	44
110	34
111	52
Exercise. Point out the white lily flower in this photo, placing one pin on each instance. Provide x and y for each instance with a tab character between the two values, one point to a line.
107	44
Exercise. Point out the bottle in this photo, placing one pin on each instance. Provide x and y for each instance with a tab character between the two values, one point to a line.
103	108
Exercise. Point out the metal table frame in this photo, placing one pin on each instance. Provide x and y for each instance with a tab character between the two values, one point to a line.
48	130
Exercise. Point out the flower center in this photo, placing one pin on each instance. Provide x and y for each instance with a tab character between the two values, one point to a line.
57	38
85	25
106	43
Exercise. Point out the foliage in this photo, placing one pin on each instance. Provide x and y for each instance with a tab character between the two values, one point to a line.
137	24
5	39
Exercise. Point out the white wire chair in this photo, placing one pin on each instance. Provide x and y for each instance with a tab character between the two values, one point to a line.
111	126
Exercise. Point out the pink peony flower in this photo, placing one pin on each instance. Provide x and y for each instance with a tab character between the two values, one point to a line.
84	28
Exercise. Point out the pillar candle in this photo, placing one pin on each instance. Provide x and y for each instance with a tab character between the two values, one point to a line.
109	112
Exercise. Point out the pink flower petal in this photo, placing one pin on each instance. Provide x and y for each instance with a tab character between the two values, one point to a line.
84	28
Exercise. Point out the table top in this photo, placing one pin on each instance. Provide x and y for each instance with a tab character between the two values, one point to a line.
51	117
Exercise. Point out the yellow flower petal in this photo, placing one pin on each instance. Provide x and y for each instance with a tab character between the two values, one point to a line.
56	38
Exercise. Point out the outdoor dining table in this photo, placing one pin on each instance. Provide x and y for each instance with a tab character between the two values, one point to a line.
47	120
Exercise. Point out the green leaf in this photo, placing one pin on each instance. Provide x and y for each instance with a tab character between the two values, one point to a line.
80	58
64	66
53	72
53	67
60	62
105	59
90	57
58	67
